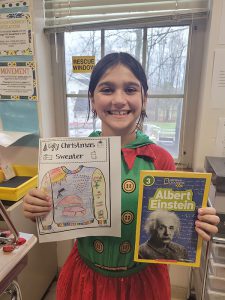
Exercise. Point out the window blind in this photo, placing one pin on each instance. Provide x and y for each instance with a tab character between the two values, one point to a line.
65	15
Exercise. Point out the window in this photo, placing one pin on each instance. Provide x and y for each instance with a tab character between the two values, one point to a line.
167	37
171	56
163	54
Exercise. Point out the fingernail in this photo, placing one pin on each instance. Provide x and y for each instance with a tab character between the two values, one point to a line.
197	223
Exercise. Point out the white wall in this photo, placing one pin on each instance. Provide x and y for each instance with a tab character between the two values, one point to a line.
208	116
44	72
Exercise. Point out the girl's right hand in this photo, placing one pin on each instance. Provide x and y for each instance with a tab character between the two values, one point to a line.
36	204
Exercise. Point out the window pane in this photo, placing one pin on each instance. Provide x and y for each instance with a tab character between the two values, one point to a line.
166	59
79	125
83	43
164	123
124	40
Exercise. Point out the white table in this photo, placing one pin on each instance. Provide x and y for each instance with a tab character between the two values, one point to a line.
12	263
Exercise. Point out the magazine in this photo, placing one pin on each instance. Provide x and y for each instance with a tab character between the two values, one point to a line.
82	177
167	210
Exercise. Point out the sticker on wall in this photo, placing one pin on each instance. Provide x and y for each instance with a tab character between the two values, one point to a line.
13	3
18	81
83	64
15	34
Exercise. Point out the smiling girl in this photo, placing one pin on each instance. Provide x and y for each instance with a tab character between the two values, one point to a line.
102	267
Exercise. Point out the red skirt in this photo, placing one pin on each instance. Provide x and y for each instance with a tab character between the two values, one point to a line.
77	281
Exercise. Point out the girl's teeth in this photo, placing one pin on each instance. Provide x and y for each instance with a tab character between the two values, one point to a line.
119	113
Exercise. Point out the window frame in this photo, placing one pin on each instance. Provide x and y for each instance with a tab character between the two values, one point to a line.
191	89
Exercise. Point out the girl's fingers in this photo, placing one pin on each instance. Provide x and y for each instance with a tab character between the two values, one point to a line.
37	198
36	208
36	203
31	211
207	222
37	193
203	234
209	228
207	211
212	219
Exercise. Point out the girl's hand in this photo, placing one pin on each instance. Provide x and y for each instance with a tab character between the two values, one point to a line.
36	204
207	222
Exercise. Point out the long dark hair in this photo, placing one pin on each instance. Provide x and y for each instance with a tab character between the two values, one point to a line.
114	59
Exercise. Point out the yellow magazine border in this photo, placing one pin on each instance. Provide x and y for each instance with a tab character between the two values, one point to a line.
169	174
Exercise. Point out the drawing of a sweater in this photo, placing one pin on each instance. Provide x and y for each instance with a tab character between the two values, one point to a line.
78	196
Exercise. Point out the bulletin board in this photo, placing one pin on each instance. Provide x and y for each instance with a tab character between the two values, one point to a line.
18	79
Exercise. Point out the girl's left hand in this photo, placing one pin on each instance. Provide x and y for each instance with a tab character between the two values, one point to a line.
207	222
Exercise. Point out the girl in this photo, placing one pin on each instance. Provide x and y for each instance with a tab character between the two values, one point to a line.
103	267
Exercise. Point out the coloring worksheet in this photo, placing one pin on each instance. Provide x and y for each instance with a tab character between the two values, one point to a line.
82	177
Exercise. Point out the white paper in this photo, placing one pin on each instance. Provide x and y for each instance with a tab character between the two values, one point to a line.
15	34
83	178
220	138
8	138
218	80
16	81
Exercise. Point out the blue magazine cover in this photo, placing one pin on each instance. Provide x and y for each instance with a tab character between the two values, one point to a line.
167	209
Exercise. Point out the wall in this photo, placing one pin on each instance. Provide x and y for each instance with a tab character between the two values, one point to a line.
44	72
208	116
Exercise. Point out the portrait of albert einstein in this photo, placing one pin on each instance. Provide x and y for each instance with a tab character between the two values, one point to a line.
161	226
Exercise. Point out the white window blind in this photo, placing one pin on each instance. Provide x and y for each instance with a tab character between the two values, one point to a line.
64	15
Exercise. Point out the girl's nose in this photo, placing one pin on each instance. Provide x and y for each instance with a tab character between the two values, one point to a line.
119	98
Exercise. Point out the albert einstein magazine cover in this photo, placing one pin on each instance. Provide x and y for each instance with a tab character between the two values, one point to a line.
167	210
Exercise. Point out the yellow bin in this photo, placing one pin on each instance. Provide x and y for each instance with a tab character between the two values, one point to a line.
16	193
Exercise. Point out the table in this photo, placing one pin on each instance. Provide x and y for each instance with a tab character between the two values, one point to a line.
12	263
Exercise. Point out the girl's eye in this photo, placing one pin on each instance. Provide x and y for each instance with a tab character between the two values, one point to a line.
131	90
106	90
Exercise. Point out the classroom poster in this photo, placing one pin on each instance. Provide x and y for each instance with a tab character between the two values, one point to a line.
167	210
82	177
15	34
18	81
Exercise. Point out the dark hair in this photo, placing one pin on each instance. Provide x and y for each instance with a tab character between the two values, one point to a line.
114	59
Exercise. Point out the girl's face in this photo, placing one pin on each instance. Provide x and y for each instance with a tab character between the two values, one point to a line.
117	101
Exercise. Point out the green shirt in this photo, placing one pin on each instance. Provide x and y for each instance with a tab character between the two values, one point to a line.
113	256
